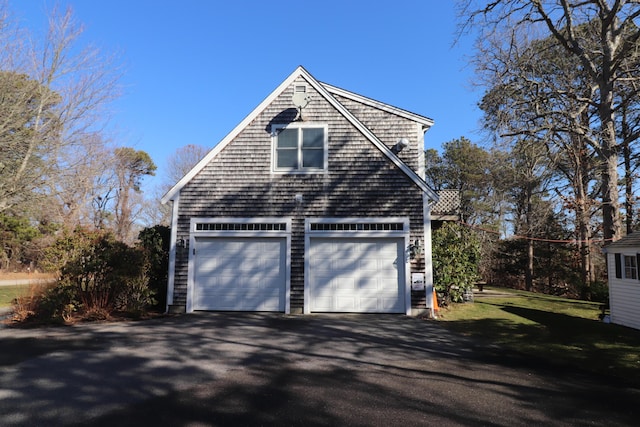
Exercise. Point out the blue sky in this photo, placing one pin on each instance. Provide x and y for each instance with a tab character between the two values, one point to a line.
195	68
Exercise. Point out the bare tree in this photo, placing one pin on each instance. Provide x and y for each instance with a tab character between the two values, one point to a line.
538	92
532	176
80	187
27	121
182	161
178	165
629	125
131	167
60	94
611	25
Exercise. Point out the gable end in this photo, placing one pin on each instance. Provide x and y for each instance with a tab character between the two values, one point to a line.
301	72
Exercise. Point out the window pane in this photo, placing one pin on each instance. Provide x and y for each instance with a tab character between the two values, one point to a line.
313	159
288	138
630	267
287	158
313	138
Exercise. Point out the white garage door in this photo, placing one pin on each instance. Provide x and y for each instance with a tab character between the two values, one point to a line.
361	275
240	274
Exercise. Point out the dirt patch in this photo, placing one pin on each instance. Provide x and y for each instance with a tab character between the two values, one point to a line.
5	275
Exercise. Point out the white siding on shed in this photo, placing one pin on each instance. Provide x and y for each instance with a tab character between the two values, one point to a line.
624	294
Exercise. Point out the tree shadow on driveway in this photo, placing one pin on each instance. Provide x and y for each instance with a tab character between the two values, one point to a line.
269	369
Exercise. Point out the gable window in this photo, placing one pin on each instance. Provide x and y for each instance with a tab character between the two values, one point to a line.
630	267
300	148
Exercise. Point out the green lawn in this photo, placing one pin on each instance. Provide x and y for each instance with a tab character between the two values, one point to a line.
558	330
9	293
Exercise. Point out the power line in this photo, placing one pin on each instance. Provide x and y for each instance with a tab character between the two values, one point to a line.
535	239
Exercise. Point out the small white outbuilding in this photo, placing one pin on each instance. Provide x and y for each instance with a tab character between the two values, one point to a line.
623	260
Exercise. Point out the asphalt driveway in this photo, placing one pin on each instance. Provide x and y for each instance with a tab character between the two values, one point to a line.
219	369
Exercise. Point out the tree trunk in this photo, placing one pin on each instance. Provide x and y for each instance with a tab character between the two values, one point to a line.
628	186
528	273
581	181
611	224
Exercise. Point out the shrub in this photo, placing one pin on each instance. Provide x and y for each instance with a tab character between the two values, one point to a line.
51	303
456	256
25	307
600	292
154	242
136	296
67	247
98	270
99	275
58	302
110	275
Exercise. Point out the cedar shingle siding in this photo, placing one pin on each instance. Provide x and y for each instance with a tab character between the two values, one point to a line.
360	181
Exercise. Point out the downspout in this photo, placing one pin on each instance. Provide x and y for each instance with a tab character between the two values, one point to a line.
426	212
428	261
172	251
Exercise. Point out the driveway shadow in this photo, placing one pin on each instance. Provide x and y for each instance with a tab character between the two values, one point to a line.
269	369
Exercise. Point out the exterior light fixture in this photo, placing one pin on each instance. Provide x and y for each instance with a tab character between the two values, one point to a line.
400	145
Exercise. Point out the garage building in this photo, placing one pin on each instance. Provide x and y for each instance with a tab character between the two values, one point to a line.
314	203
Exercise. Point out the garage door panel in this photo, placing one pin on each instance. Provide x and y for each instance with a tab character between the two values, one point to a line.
323	281
323	263
345	304
356	274
344	283
370	304
321	303
259	303
368	285
385	285
220	296
387	304
369	264
240	274
222	301
206	264
211	282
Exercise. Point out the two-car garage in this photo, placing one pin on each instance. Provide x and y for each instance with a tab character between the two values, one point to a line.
351	265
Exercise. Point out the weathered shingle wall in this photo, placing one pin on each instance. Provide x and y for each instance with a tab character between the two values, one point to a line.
360	181
389	128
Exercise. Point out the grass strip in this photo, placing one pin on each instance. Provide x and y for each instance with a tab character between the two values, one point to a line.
558	330
9	293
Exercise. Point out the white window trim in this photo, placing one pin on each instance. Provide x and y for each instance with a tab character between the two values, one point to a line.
275	130
634	259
